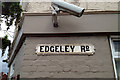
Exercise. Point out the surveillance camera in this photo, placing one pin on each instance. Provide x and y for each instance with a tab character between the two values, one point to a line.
60	5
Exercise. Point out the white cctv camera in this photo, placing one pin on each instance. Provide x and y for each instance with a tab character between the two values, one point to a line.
60	5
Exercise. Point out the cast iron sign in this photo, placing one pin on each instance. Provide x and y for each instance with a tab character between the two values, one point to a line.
65	49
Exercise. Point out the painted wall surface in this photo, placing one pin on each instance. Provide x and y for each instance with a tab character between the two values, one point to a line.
71	24
67	66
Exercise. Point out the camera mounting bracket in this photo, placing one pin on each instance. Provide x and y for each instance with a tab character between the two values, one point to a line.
54	15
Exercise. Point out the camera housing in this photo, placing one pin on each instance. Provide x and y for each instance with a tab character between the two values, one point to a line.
60	5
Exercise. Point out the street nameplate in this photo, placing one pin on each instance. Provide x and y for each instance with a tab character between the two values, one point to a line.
65	49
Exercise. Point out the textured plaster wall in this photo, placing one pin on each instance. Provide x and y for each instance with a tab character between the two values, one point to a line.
67	66
40	7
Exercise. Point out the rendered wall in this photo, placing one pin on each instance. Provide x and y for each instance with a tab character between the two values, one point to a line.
71	24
